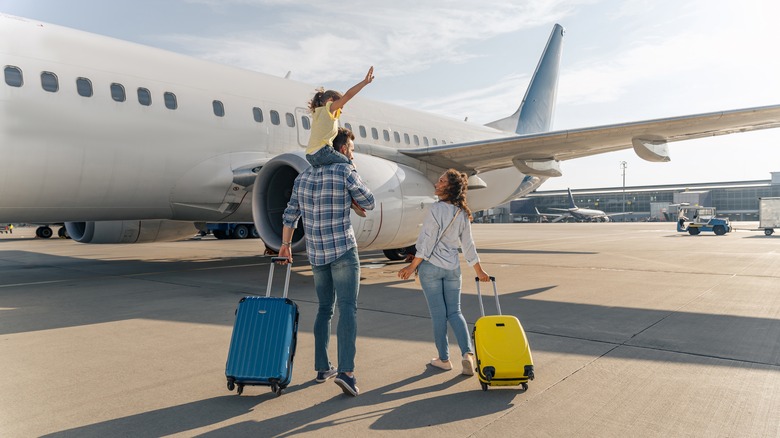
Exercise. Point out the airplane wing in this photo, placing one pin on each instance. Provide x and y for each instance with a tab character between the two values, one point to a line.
481	156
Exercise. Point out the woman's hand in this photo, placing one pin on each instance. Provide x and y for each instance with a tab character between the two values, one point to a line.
406	273
481	274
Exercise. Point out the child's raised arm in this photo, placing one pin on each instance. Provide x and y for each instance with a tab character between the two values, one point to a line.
353	91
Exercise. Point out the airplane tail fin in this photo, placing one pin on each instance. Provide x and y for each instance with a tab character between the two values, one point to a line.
536	110
571	200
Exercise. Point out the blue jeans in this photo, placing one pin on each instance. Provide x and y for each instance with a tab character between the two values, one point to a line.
337	282
327	155
442	291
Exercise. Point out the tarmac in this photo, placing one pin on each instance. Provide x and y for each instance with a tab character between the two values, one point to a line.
636	330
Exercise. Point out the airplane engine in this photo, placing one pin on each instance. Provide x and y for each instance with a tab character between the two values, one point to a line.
129	231
402	195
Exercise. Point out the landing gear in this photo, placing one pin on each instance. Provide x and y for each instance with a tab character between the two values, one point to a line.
44	232
400	253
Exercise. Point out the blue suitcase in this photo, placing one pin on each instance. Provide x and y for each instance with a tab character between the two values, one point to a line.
262	346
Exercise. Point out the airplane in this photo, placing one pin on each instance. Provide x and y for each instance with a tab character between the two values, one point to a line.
583	214
125	143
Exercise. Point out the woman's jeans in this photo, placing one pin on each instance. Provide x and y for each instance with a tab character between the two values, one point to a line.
442	291
337	283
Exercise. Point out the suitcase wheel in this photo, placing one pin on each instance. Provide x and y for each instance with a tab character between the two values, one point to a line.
240	388
484	386
231	386
276	389
525	387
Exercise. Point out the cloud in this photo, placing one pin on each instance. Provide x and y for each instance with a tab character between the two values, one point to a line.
407	37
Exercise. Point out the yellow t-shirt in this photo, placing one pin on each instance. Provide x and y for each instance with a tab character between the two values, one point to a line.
324	127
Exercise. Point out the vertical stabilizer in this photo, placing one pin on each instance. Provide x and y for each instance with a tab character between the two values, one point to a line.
535	113
572	205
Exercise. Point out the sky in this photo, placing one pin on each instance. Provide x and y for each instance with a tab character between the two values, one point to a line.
623	61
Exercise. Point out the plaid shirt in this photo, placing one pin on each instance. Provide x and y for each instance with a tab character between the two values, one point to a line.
323	196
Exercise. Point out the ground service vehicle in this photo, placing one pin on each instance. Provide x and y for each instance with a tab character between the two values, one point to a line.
768	215
224	230
700	219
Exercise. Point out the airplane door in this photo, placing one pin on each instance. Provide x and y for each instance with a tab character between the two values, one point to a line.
304	126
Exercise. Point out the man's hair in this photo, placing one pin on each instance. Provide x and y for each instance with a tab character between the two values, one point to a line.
341	139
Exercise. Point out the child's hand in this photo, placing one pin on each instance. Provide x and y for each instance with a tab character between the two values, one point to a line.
369	75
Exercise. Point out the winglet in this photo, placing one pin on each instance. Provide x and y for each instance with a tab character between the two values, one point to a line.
535	113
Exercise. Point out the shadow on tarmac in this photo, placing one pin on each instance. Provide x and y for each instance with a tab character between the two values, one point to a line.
71	292
416	414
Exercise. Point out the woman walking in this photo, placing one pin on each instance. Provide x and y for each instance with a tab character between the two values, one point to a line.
446	228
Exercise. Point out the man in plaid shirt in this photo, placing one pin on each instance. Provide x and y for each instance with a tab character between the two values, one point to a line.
322	196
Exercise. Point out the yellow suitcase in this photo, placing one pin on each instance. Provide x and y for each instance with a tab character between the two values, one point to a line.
501	348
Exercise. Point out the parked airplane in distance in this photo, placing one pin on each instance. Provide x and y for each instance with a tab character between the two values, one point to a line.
126	143
584	214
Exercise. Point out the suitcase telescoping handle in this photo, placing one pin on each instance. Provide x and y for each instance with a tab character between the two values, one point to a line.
271	276
495	292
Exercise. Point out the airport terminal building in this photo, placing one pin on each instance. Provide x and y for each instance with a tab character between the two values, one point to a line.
737	200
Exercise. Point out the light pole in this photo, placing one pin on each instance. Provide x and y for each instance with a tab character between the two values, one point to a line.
623	166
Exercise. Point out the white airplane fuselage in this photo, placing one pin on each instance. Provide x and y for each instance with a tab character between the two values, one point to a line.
73	158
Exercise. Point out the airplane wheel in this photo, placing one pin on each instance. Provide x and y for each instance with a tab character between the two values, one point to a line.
241	232
45	232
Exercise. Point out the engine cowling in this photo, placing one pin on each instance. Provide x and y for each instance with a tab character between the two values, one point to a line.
402	195
129	231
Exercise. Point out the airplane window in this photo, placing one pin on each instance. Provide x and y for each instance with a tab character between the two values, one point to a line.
397	137
406	138
305	122
219	108
258	114
362	131
425	141
416	140
274	117
434	141
49	81
13	76
375	133
118	92
170	100
290	120
84	87
144	97
348	126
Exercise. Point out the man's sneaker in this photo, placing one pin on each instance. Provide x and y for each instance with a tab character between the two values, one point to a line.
347	384
323	376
